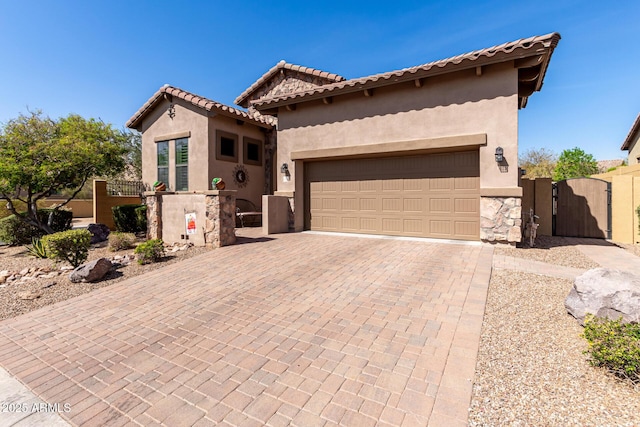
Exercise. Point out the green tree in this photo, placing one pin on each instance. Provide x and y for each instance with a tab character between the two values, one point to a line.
40	156
132	157
538	163
574	163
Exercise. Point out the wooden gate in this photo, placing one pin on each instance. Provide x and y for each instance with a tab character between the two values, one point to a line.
582	208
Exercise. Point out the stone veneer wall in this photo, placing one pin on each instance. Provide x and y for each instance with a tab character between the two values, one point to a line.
220	222
501	219
154	214
220	211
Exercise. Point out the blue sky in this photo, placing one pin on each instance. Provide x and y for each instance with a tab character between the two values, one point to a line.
104	59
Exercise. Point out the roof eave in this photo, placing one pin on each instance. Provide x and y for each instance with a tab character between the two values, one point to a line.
546	48
135	122
635	129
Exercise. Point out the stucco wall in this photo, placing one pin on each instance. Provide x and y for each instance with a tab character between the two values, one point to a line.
174	208
219	168
634	152
457	104
451	105
158	125
203	165
625	198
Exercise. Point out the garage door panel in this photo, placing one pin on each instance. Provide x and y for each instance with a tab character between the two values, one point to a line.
413	184
369	204
413	205
391	225
440	184
392	185
466	228
427	196
329	203
392	204
440	205
350	224
465	183
368	224
440	228
368	186
466	205
349	204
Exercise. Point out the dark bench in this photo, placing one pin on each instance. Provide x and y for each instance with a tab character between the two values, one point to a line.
246	210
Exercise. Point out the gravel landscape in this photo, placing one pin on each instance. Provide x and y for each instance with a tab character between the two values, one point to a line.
19	297
531	370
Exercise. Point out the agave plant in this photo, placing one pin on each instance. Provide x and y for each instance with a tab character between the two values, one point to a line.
38	248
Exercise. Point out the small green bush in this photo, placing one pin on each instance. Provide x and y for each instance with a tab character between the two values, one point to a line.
60	221
141	217
614	345
16	232
150	251
638	213
38	249
71	246
126	219
119	241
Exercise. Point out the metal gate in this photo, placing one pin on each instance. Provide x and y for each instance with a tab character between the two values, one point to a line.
582	208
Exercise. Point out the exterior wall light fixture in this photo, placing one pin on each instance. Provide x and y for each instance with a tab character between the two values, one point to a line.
499	155
284	170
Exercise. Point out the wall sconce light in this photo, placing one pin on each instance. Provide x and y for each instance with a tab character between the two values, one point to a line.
499	155
171	111
284	170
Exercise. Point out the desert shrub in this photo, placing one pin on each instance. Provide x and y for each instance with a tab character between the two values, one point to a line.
141	217
71	246
126	219
119	241
38	249
150	251
14	232
60	221
614	345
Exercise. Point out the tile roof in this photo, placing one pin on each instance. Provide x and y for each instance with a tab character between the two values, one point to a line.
283	65
519	49
199	101
635	129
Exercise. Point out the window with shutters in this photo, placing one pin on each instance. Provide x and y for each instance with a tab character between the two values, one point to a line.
163	161
182	164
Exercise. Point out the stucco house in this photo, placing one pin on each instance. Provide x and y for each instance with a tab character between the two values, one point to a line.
188	140
631	143
426	151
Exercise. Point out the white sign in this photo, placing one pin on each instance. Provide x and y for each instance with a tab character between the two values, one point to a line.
190	221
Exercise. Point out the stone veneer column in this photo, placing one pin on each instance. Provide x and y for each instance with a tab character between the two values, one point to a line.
154	214
220	223
501	219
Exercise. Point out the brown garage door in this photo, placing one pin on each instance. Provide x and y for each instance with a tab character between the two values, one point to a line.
435	195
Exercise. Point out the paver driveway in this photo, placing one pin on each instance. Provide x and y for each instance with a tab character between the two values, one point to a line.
300	329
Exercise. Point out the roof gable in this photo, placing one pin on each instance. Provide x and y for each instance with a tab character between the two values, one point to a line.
633	134
531	56
270	83
171	93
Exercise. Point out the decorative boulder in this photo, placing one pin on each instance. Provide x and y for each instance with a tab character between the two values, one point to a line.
605	292
91	271
99	232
